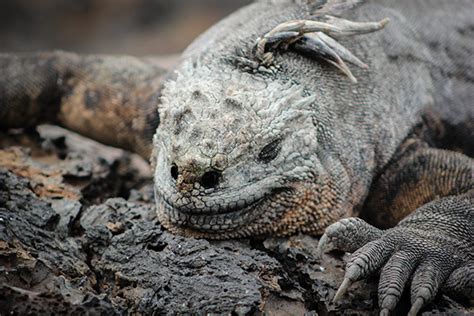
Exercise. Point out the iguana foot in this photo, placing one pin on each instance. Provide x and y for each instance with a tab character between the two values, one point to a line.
316	38
428	259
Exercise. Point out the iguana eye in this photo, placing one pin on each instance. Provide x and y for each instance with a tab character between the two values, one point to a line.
270	151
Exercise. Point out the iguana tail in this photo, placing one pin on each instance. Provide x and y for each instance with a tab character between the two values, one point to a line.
112	99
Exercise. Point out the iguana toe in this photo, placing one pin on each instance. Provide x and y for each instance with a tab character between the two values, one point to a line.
393	278
427	280
348	234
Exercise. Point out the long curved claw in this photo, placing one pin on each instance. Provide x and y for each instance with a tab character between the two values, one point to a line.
342	289
349	28
416	307
364	262
314	45
341	51
315	38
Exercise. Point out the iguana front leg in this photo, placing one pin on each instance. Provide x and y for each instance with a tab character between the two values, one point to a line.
112	99
433	247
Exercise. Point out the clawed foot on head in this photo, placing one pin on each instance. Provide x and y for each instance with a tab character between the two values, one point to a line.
316	38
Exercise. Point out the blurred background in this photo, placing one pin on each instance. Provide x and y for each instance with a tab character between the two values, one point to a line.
136	27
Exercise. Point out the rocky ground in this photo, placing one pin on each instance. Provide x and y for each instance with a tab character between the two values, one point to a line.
78	234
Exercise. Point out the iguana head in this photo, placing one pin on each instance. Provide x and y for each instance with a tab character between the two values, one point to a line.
235	154
238	152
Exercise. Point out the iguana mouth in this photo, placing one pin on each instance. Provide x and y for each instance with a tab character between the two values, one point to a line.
224	218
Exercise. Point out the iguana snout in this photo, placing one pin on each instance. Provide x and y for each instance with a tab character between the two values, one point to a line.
192	172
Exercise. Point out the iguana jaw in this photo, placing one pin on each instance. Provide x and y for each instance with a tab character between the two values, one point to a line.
301	208
228	221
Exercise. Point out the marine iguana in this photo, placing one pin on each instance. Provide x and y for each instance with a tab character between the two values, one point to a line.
258	131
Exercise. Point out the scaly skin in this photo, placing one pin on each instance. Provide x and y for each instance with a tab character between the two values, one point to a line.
267	139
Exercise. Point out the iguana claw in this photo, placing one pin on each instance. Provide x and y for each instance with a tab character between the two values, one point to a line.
316	38
342	289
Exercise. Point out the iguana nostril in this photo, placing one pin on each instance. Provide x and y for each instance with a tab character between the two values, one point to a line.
174	171
210	179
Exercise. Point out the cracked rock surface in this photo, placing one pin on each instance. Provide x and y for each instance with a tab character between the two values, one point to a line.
78	235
